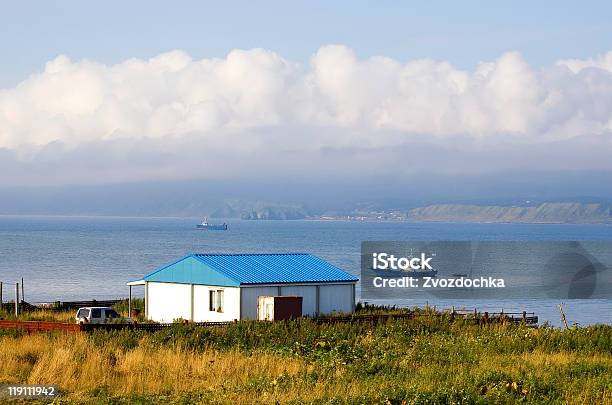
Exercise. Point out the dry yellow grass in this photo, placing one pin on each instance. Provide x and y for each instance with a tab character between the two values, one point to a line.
451	365
70	361
42	315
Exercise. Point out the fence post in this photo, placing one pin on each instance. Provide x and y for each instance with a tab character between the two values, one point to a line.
16	299
1	301
22	290
563	316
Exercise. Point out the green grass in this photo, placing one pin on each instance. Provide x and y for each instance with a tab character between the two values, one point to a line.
123	305
428	360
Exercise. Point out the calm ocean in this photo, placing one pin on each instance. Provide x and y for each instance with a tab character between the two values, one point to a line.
70	258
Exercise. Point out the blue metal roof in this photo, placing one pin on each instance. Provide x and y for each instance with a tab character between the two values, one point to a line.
226	269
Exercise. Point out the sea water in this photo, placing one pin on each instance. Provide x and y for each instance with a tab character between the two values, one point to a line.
83	258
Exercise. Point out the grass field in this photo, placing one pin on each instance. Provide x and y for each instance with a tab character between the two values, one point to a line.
426	360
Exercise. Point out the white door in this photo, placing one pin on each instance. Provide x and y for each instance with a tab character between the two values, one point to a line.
269	311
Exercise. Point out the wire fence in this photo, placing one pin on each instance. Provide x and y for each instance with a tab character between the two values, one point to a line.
470	317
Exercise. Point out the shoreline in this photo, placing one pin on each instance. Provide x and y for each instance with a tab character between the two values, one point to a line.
310	219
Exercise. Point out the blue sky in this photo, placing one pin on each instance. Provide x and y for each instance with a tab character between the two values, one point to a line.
463	33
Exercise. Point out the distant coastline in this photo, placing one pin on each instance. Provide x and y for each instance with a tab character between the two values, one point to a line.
536	213
544	213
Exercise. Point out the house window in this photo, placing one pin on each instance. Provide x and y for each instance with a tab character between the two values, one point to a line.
211	300
215	300
220	300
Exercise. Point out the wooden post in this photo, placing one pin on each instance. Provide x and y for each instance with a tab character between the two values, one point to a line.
1	301
130	304
22	290
486	317
524	317
563	316
16	299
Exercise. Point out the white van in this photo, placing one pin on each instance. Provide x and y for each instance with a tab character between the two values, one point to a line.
96	315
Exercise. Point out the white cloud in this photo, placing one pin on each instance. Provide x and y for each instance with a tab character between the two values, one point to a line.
603	62
255	100
171	94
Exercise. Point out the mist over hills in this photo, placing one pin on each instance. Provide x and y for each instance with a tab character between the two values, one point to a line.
543	198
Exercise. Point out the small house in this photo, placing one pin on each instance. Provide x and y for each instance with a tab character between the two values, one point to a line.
225	287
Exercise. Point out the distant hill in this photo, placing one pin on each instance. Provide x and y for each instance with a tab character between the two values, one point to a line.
260	211
276	213
543	213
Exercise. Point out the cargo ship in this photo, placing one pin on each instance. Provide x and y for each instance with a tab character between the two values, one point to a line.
205	226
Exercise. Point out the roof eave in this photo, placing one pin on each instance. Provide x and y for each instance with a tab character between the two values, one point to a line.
300	282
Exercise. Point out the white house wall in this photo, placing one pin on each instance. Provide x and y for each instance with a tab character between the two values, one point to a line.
248	301
309	294
168	301
332	298
201	298
336	298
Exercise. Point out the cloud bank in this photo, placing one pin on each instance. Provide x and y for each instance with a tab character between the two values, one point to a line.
172	116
